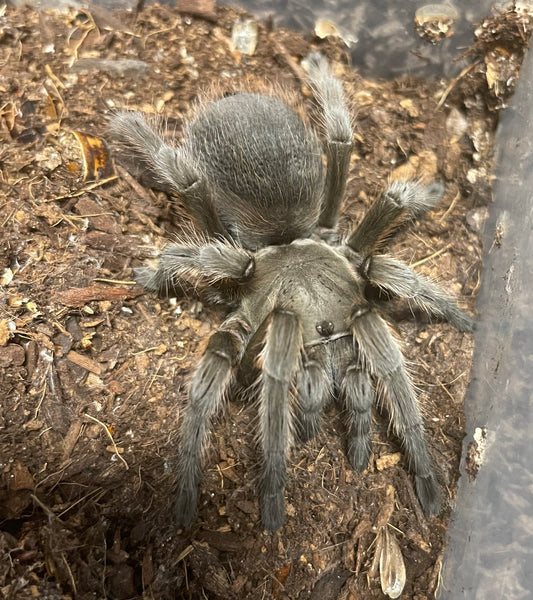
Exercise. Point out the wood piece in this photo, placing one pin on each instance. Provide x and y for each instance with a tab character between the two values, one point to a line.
85	362
77	297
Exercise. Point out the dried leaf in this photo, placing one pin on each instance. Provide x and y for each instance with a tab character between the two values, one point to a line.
492	72
9	113
97	163
20	477
280	577
6	277
50	112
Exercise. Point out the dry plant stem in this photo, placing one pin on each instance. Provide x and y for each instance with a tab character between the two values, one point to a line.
280	49
453	83
135	185
106	429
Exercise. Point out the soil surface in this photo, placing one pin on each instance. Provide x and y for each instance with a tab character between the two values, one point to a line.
93	371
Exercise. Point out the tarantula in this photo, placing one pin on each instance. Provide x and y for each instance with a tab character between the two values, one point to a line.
251	174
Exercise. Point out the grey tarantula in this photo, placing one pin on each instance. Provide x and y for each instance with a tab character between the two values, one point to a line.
251	174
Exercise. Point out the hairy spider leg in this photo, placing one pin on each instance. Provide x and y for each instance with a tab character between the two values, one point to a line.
209	386
279	360
172	167
402	201
198	264
381	356
328	90
393	276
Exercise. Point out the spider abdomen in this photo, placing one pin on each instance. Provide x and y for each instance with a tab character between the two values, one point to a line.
259	156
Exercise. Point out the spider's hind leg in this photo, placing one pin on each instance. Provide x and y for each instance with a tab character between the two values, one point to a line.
172	167
382	357
279	361
199	265
209	385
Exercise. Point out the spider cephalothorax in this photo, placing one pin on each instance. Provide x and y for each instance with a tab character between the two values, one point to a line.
250	173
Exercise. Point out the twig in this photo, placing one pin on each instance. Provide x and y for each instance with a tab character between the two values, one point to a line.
452	84
70	439
160	31
110	437
40	402
280	50
434	255
85	189
49	512
450	208
184	553
446	390
115	281
221	477
85	362
134	184
153	378
415	504
71	576
97	493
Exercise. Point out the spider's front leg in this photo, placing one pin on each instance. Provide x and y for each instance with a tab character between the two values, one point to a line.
393	276
381	356
208	388
173	167
279	361
198	265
